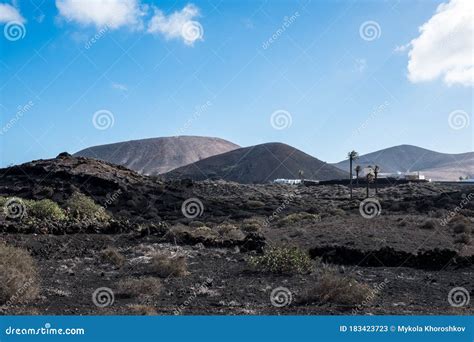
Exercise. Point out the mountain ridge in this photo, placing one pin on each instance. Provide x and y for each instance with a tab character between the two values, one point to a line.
410	158
259	164
152	156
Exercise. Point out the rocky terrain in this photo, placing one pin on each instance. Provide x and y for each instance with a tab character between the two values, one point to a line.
81	236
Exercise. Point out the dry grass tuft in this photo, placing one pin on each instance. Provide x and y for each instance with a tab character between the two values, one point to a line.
113	256
142	310
19	281
166	266
333	288
136	287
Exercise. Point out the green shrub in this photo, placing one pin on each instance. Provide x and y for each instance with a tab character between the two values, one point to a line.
44	209
83	207
283	260
18	276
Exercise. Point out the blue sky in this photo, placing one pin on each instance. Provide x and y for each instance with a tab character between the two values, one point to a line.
340	87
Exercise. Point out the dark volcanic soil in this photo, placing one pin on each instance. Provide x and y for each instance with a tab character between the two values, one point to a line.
407	247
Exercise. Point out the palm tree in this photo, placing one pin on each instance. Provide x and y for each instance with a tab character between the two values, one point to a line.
353	155
376	172
369	178
357	170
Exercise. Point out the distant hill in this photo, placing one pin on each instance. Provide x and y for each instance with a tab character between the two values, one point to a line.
259	164
158	155
406	158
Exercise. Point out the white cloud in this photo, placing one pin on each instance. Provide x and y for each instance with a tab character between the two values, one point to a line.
9	13
444	48
178	25
110	13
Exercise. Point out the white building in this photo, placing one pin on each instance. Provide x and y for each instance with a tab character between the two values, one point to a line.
287	181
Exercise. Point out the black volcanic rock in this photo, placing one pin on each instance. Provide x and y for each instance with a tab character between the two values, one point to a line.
158	155
258	164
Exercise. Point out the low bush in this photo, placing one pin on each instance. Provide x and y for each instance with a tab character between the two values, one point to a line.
255	204
463	239
84	208
196	224
333	288
230	232
136	287
113	256
299	217
142	310
428	224
19	281
251	225
166	266
283	260
44	209
460	228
